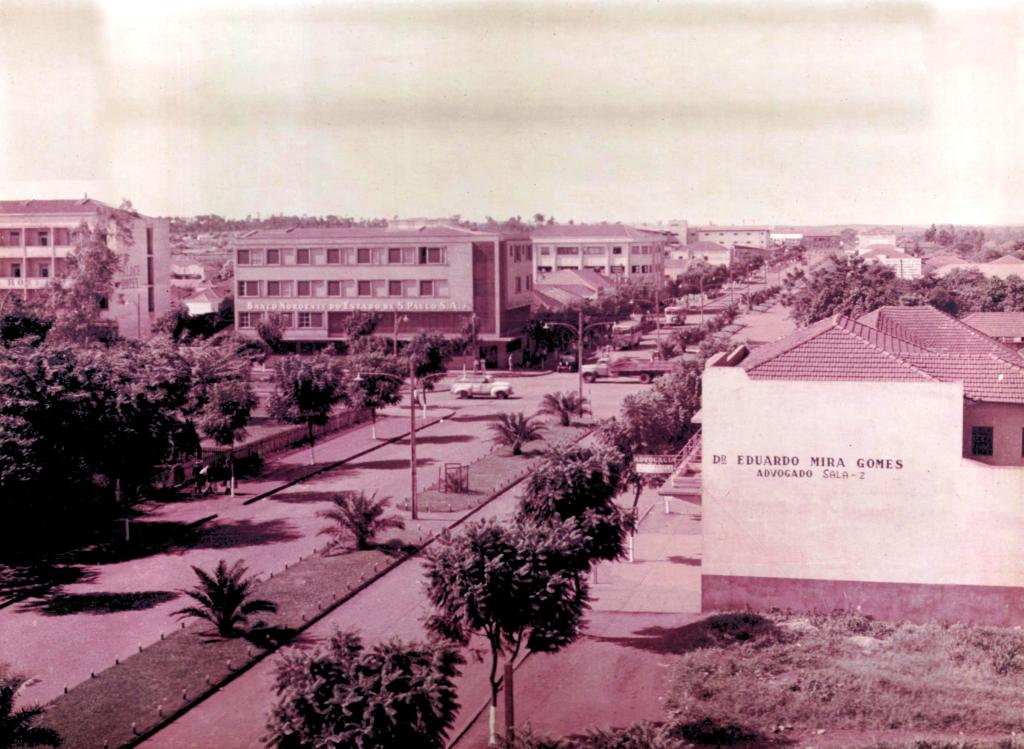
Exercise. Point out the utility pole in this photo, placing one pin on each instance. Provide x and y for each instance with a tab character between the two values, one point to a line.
579	346
412	439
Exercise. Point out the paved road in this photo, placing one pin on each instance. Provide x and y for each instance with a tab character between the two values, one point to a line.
392	606
58	638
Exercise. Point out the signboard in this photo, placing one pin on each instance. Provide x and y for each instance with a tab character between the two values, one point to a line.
361	305
655	464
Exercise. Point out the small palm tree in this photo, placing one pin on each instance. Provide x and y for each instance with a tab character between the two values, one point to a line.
564	406
358	518
16	729
516	429
666	348
224	598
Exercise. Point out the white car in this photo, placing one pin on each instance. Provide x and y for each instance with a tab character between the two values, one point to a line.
483	386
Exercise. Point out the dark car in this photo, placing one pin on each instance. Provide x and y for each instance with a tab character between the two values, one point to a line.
566	363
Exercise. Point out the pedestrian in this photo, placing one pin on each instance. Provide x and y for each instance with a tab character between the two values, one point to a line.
203	482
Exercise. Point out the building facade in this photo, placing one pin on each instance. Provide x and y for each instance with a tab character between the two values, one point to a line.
872	465
617	251
730	236
36	237
436	278
906	267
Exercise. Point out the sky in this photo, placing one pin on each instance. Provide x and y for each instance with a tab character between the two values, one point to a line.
725	112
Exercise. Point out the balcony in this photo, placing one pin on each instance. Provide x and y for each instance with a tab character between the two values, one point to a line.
11	282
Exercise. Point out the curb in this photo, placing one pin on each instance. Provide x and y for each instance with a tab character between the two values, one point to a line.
200	698
330	466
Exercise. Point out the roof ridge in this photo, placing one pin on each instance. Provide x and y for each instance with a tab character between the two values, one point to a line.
881	349
796	341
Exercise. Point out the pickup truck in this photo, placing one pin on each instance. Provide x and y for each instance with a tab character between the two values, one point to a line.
483	386
645	369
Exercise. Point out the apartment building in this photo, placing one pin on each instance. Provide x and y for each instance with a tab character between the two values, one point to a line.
36	237
730	236
618	251
872	465
433	278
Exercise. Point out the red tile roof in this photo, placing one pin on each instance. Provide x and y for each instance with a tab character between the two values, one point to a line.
367	233
607	232
997	324
80	206
893	344
1005	260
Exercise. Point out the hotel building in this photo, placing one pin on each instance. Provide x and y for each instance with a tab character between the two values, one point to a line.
874	465
36	237
620	252
434	278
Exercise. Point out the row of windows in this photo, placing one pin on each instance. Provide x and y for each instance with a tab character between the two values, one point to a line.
519	252
14	271
593	250
283	319
343	256
615	269
526	282
433	288
35	237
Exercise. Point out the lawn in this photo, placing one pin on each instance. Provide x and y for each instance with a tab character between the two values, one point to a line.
759	680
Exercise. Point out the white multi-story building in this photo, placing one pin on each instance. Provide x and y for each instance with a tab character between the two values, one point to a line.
36	237
618	251
731	236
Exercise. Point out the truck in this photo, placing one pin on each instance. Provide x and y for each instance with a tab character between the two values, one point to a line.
626	366
485	386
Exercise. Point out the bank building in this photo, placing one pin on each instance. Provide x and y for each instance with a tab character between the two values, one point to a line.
872	464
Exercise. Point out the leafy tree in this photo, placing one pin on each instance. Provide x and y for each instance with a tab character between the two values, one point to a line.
514	430
17	727
20	321
226	415
430	353
564	405
85	285
365	387
224	598
271	334
173	322
847	286
579	483
359	518
343	695
513	585
306	390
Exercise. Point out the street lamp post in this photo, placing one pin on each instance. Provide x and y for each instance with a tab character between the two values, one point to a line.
394	335
580	330
412	422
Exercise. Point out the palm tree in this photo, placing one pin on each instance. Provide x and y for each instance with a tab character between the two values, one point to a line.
224	598
516	429
666	348
16	729
358	517
564	406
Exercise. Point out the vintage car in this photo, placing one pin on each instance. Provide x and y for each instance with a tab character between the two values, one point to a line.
486	386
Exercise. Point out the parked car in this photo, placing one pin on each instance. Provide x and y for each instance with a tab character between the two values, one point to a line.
566	363
485	386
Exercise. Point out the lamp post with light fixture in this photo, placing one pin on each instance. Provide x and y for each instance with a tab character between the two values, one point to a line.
414	381
580	330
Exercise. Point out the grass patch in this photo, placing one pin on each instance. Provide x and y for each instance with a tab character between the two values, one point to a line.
494	471
747	675
171	674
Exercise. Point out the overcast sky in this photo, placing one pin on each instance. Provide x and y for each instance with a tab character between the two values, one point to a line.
725	112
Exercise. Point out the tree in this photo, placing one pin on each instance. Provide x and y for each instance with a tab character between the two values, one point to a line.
579	483
173	322
342	695
17	727
515	430
846	286
85	286
358	517
430	353
306	390
564	405
365	388
226	415
224	598
514	585
21	321
271	334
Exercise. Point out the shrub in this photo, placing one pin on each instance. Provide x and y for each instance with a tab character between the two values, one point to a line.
358	518
224	598
515	430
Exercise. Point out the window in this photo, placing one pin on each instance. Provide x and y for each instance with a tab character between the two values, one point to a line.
334	288
149	241
249	319
256	256
273	257
311	319
394	288
365	288
567	251
283	319
529	252
243	257
634	269
273	288
303	288
593	251
16	270
248	288
302	257
104	302
43	239
430	255
981	440
151	295
44	271
529	282
394	254
426	288
333	256
545	250
616	250
363	255
519	284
